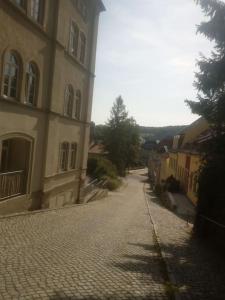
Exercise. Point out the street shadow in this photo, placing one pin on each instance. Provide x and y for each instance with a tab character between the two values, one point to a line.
198	269
188	217
116	296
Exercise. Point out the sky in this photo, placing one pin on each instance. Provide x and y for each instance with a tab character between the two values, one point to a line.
147	51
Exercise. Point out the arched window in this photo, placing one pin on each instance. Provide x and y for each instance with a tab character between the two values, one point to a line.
31	84
82	47
69	99
11	75
64	156
77	105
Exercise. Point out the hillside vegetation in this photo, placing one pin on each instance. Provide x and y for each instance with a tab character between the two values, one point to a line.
159	133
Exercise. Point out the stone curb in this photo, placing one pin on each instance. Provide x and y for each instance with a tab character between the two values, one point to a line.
162	253
44	210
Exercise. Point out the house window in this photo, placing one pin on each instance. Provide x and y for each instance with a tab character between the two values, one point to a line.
21	3
82	47
69	99
11	76
78	105
31	84
64	156
73	155
74	39
36	7
82	8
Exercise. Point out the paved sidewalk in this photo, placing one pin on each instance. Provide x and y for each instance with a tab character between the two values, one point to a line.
103	250
198	271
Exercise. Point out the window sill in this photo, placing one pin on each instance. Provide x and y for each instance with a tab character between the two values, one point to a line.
78	62
16	101
63	174
23	12
71	118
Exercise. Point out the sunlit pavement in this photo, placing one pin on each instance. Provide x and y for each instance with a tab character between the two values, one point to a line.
102	250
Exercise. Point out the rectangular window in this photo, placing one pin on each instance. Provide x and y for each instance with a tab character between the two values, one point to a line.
82	8
21	3
64	156
74	39
82	47
36	7
73	155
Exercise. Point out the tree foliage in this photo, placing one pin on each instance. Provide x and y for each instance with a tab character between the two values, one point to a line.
122	137
210	84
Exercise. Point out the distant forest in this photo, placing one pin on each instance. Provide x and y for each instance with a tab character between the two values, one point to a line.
147	133
160	133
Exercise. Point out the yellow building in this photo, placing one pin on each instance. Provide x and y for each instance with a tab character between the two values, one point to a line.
183	160
47	63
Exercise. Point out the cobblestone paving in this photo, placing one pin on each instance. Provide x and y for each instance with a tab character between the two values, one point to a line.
198	270
94	251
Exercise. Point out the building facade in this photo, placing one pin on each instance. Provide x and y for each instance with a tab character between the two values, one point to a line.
47	63
180	158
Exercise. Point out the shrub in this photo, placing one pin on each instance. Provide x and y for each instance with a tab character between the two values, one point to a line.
112	183
99	167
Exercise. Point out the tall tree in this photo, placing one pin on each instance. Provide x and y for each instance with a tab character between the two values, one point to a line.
122	137
210	84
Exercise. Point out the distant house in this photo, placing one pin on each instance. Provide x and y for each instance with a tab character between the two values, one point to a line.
183	159
97	150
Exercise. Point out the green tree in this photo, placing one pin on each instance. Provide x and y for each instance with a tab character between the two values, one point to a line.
210	84
122	137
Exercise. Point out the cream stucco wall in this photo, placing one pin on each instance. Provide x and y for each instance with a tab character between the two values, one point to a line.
45	125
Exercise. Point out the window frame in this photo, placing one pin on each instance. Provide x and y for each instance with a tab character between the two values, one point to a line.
64	150
77	106
74	36
36	15
68	101
82	8
22	4
73	156
35	75
83	46
19	71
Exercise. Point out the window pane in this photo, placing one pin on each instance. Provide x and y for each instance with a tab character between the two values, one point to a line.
82	47
36	10
11	71
69	99
74	36
73	156
12	93
64	151
78	105
20	2
31	84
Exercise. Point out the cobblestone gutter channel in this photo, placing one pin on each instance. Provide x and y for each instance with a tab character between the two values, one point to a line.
170	285
195	269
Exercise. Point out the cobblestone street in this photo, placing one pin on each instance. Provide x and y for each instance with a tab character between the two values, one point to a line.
103	250
197	270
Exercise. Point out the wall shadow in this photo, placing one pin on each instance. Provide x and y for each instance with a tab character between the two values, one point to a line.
187	217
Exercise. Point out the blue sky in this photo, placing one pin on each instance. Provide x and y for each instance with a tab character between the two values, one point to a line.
147	51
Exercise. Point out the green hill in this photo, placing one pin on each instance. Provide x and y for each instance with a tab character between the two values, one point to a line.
159	133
